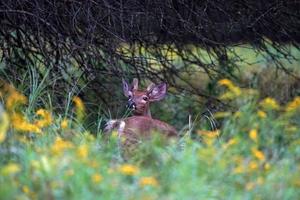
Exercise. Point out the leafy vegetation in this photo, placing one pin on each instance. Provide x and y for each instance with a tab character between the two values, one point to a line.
254	155
234	95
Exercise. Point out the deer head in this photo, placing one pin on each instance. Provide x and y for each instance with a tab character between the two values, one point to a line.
139	101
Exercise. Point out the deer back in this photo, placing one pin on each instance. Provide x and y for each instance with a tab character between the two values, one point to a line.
137	128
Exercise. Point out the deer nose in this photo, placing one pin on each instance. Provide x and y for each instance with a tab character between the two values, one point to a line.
131	105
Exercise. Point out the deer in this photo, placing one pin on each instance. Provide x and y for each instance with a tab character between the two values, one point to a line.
141	125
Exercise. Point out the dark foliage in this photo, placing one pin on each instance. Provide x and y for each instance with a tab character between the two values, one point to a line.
88	34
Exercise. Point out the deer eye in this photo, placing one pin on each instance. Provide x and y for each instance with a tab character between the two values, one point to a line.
145	98
129	96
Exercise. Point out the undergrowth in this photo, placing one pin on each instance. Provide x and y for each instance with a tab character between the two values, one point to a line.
48	155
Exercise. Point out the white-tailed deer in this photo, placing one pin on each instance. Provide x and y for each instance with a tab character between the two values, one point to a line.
141	124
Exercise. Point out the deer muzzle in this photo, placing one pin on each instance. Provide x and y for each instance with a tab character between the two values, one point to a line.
131	105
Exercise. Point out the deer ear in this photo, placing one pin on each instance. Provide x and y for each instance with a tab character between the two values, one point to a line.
157	92
135	84
150	87
126	90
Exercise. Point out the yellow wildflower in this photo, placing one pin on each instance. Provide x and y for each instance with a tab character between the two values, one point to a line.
253	135
97	178
267	166
227	96
64	124
46	118
28	192
218	115
148	181
61	145
129	170
4	124
26	189
237	114
261	114
11	169
239	169
231	142
80	109
295	104
258	154
78	103
209	134
269	103
253	166
226	82
83	151
20	124
234	89
15	99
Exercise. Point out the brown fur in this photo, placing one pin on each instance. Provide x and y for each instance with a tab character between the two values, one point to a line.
141	126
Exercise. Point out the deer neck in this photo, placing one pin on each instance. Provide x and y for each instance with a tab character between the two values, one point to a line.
147	111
